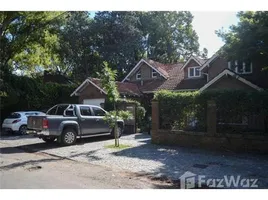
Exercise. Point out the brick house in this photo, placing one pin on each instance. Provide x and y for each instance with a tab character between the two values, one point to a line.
196	74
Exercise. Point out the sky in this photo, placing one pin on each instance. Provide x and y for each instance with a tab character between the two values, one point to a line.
206	23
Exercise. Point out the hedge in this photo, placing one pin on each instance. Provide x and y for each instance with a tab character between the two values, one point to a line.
175	107
24	93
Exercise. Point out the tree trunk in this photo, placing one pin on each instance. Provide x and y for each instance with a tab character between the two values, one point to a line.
116	137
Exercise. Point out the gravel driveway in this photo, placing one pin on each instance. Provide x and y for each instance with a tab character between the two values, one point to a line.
154	160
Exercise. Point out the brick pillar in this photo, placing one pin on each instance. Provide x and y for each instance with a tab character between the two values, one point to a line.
155	118
211	117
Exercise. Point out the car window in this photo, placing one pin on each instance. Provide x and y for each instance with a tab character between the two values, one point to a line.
52	111
69	112
30	114
98	111
61	109
85	111
14	116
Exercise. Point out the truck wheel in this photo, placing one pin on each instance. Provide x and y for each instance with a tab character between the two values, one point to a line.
120	131
48	139
68	136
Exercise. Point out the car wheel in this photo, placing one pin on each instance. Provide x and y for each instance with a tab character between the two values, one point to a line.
48	139
119	130
23	129
68	136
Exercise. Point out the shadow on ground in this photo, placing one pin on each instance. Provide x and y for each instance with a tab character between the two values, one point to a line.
175	161
36	147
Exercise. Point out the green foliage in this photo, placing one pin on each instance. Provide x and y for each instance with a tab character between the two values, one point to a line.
177	108
28	39
75	44
169	36
121	100
76	52
140	115
111	117
109	106
248	39
118	39
24	93
108	83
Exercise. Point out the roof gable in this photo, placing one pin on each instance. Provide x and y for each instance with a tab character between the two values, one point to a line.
123	88
215	56
229	72
199	61
153	64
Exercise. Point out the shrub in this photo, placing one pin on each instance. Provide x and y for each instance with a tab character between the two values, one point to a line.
140	115
179	109
24	93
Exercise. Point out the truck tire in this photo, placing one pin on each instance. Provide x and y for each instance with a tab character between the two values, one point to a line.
48	139
68	136
119	129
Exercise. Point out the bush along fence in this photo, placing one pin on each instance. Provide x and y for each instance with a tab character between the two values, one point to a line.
234	120
24	93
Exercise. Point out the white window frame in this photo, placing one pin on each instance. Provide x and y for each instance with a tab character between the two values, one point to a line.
138	75
244	67
154	73
194	76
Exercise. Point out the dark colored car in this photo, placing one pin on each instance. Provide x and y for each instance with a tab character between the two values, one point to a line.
66	122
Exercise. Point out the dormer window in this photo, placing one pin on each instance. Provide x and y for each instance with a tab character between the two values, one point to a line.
154	73
138	75
240	67
194	72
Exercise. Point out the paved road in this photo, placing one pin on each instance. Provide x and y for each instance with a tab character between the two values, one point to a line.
153	160
19	169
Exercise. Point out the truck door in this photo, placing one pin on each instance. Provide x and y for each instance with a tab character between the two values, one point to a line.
86	121
100	124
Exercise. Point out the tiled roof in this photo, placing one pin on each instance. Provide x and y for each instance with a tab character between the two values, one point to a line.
163	68
123	88
175	80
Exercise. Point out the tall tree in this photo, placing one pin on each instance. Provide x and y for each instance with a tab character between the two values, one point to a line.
28	39
77	47
204	53
118	39
169	36
248	39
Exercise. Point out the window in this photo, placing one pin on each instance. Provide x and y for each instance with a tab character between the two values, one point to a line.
52	111
85	111
240	67
30	114
138	75
154	73
61	109
14	116
193	72
98	111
